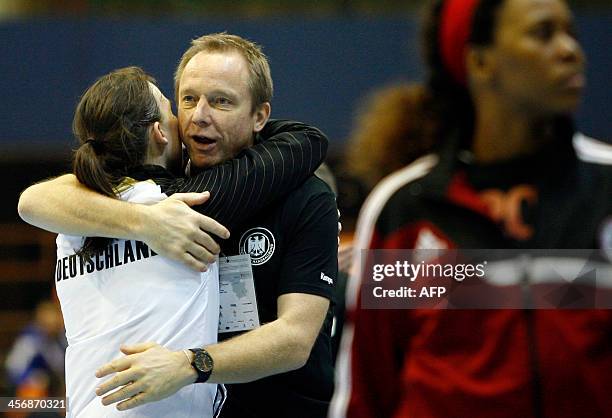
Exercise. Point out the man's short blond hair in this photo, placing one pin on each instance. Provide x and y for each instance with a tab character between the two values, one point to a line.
260	80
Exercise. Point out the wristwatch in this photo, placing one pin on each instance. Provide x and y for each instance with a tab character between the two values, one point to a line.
202	363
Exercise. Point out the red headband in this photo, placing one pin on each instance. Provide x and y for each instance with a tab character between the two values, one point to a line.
455	29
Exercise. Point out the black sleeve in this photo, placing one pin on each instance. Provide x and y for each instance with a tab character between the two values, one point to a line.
310	264
259	175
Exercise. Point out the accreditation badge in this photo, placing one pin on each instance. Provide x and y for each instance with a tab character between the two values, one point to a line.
238	304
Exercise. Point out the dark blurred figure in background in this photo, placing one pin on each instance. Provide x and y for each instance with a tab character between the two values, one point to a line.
388	119
35	364
391	118
505	169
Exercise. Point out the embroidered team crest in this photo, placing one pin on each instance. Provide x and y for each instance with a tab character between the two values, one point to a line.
259	243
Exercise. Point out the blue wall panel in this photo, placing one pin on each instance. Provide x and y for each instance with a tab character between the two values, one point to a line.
321	67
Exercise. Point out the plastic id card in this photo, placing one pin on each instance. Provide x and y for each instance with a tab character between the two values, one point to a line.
238	304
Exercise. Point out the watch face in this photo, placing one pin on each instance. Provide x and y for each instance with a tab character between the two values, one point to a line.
203	361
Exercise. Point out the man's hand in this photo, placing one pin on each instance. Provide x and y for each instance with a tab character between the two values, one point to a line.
148	373
171	228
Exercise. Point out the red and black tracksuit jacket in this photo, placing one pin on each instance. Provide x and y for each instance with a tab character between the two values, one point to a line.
481	363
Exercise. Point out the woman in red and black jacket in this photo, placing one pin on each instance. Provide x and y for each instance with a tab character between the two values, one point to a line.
504	170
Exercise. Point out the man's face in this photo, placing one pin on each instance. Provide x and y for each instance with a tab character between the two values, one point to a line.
214	107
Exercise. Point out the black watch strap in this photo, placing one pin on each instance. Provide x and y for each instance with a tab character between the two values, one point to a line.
202	363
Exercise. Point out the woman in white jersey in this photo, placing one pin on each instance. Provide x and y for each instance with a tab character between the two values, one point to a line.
120	291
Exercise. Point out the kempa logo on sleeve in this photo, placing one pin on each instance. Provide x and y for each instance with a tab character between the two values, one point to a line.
259	243
327	279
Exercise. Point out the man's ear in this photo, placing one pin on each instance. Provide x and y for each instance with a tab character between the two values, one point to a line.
262	114
480	64
157	135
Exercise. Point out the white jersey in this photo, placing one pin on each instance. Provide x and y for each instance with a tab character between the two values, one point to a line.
128	294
